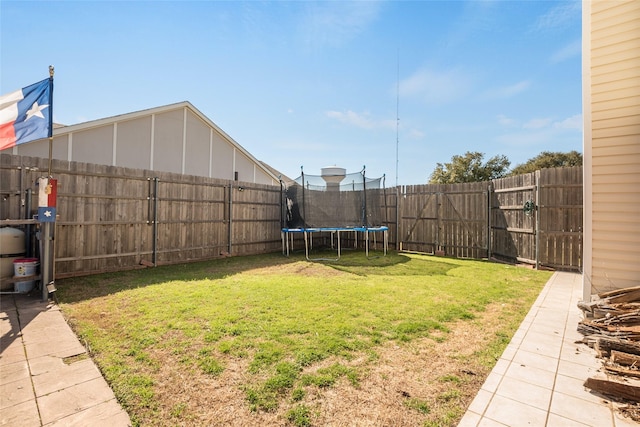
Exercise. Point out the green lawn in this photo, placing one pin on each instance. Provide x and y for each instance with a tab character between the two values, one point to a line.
276	333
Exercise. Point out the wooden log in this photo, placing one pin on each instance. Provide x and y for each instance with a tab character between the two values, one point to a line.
630	322
619	370
614	389
625	317
625	359
622	329
631	296
587	329
612	302
604	346
586	306
602	308
628	306
618	292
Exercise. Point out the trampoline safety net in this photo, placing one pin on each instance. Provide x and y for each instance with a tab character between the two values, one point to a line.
334	200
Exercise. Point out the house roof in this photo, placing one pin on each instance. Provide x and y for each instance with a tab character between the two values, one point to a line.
63	130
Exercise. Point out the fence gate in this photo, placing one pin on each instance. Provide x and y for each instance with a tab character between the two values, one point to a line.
514	218
418	221
559	240
447	219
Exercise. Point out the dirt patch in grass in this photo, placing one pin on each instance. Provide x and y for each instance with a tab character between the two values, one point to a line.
304	269
189	397
424	382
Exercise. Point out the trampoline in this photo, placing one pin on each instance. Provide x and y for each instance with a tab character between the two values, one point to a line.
288	233
331	205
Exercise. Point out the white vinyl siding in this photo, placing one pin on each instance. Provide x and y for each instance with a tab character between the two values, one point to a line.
197	152
167	144
222	158
94	145
134	143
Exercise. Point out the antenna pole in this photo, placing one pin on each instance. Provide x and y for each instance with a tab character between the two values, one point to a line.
397	114
397	238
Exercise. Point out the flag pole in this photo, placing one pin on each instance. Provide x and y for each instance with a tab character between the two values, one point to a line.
47	266
50	118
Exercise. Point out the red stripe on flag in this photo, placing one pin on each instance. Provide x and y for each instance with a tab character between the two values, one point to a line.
7	136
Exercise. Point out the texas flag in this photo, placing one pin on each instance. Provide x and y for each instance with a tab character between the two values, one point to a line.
24	114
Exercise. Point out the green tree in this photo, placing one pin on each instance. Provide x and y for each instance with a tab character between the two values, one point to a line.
548	159
470	168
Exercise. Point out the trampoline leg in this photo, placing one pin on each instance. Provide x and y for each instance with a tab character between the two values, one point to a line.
366	243
283	237
306	247
385	244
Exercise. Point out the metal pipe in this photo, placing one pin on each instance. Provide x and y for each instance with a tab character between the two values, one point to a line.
27	207
149	201
365	221
230	228
282	204
304	210
154	256
21	191
45	265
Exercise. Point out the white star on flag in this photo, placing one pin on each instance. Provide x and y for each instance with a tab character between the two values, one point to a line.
36	110
47	213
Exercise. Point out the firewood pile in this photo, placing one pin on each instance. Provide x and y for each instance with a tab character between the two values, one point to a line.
611	326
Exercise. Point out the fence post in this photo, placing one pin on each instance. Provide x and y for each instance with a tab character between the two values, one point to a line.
489	192
537	222
436	247
397	237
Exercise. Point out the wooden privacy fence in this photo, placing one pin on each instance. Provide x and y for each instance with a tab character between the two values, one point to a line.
534	218
112	218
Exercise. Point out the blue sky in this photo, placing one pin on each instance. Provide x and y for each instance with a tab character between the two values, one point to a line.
316	84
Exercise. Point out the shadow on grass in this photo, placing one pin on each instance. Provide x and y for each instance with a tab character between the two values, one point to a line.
403	264
76	289
354	258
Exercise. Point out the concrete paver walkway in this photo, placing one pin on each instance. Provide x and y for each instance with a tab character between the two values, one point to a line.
46	376
539	378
